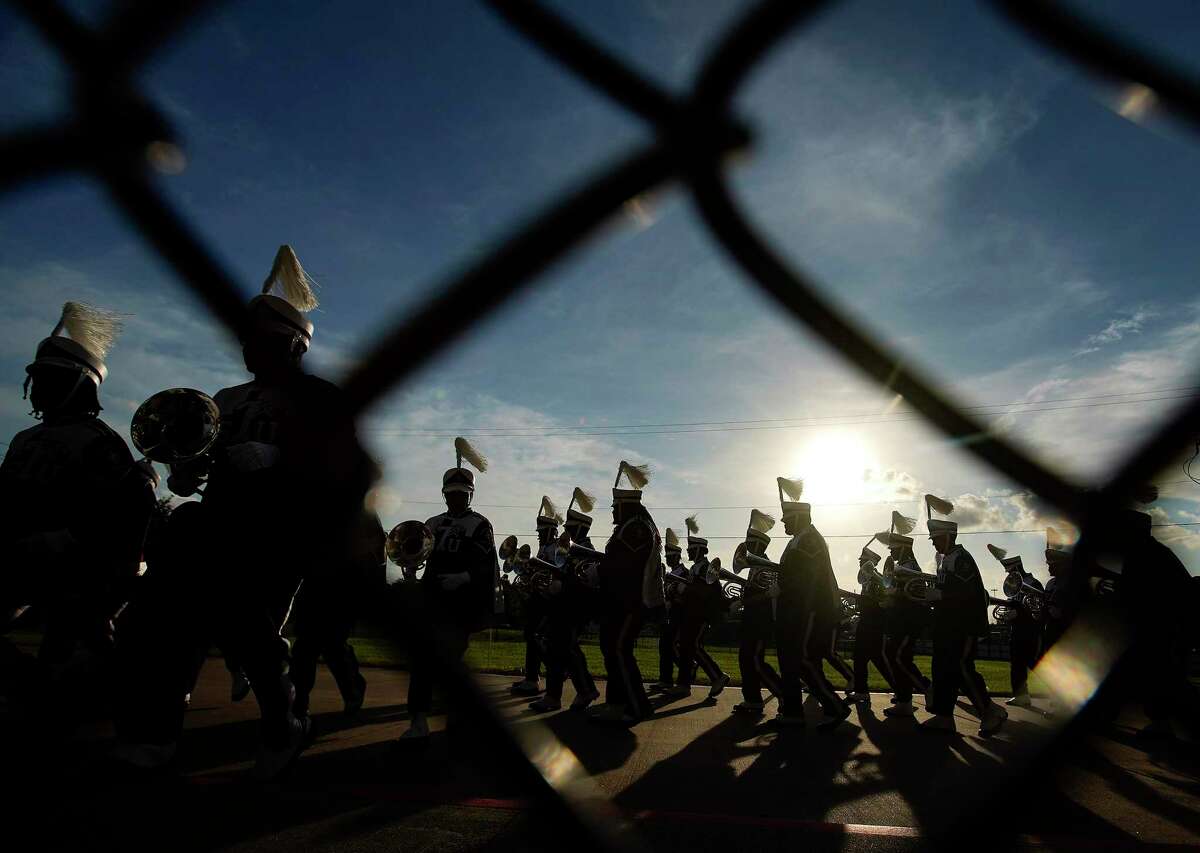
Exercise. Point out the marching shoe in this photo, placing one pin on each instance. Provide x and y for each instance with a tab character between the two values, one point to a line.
354	703
678	690
609	715
900	709
1021	700
830	723
939	724
749	708
992	720
545	704
526	688
584	699
271	763
858	696
720	684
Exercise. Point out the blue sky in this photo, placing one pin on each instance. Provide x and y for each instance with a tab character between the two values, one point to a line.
981	206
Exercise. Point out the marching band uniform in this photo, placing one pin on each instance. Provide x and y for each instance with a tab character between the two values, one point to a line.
905	621
456	586
537	608
758	624
1058	612
668	636
809	613
325	612
1025	642
630	581
567	615
960	607
701	601
74	506
868	635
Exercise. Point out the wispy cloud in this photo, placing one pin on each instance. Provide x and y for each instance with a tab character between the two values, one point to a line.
1117	329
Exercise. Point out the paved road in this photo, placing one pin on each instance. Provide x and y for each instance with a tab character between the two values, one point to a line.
695	777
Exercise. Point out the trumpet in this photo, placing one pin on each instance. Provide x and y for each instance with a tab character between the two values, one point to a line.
409	545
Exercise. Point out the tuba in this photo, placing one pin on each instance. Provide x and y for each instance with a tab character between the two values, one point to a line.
409	545
733	585
175	426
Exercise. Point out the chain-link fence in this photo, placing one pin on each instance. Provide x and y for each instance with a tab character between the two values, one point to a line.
117	134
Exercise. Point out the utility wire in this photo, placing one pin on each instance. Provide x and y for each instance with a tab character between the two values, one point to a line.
869	535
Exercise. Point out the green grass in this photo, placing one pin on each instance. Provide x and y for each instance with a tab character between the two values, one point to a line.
503	651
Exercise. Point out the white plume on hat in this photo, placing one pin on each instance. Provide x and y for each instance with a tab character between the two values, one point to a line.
637	475
585	501
671	539
792	488
295	285
94	329
693	526
464	450
902	524
549	510
998	553
935	504
760	521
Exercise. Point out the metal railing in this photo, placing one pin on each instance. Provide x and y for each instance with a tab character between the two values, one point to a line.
113	128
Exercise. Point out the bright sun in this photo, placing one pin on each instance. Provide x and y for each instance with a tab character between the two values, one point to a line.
831	464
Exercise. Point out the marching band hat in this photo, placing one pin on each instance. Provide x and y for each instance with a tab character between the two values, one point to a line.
80	341
789	497
1011	564
693	527
579	517
671	542
893	540
294	296
868	557
938	526
458	478
760	527
1058	545
548	515
637	475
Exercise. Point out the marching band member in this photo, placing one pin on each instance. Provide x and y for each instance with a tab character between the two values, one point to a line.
701	602
758	623
1025	643
960	606
456	585
809	613
869	634
568	613
905	620
629	574
1059	559
286	459
668	637
536	607
74	506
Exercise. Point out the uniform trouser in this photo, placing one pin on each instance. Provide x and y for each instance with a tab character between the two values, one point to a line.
868	649
430	655
693	653
667	638
339	657
619	630
954	669
838	663
565	659
756	672
1023	652
535	615
907	677
801	651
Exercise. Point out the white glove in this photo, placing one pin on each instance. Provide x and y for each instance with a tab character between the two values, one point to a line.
452	582
252	456
736	607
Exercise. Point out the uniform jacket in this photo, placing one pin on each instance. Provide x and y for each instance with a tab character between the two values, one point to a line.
462	544
807	584
964	605
630	566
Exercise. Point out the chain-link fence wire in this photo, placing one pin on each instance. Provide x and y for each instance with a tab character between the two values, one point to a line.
115	133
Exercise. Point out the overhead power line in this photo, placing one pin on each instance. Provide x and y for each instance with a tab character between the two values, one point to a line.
742	536
799	422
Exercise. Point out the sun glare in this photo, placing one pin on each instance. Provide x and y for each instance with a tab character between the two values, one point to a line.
832	465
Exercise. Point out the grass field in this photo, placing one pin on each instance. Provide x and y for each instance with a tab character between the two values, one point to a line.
503	650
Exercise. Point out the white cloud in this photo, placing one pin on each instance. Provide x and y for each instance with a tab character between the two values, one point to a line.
1117	329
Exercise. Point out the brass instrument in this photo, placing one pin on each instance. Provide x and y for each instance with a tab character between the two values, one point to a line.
1027	595
175	426
733	586
768	573
913	585
1004	610
409	545
582	563
873	583
849	601
533	574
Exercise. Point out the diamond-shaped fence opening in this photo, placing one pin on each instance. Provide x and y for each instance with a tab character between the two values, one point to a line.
118	135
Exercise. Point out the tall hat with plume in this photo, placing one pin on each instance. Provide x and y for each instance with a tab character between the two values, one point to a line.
80	341
1011	564
548	515
287	295
579	518
671	542
693	528
458	478
1058	545
637	476
760	527
897	535
868	556
789	497
938	525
